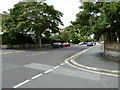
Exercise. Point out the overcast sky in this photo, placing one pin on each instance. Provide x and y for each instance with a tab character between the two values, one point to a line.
68	7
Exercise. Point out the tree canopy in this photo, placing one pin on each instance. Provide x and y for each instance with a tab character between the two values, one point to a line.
101	18
34	17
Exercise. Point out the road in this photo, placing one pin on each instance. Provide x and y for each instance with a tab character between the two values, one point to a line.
47	69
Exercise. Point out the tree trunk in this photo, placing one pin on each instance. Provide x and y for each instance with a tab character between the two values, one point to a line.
38	38
39	42
40	45
113	36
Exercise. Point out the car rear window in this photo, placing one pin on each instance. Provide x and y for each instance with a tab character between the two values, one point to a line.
56	43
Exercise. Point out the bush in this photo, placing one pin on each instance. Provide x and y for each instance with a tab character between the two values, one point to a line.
16	39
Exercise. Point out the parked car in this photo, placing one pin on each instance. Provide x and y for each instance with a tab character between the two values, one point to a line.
90	44
85	42
57	45
81	43
66	44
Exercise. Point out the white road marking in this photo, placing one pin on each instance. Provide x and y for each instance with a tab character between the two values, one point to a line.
62	64
66	61
20	84
72	58
48	71
37	76
57	66
34	77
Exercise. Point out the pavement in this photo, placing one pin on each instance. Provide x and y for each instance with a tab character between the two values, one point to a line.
94	60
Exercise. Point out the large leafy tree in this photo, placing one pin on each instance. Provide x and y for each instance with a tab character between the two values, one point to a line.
100	18
32	17
82	20
71	33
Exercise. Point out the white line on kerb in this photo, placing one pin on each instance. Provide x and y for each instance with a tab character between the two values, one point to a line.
66	62
48	71
57	66
20	84
37	76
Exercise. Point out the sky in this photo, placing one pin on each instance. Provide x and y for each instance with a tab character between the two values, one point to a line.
68	7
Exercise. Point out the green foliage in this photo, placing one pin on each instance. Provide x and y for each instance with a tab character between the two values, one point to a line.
47	34
46	40
99	18
74	34
33	17
65	36
16	39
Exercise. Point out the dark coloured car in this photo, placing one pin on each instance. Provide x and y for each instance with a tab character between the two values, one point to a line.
90	44
57	45
66	44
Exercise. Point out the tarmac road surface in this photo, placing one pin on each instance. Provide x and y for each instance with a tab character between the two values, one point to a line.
47	69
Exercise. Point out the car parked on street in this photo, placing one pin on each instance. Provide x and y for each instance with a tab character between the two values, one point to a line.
66	44
90	44
81	43
57	45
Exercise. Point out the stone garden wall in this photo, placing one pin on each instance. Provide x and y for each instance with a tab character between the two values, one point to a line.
112	50
23	46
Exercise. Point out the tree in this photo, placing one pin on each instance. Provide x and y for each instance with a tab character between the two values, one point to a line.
71	33
65	36
101	18
16	39
33	17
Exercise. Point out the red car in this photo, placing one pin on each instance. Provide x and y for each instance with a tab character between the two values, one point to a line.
66	44
57	45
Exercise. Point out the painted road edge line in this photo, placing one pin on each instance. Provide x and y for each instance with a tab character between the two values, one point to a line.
77	66
92	69
37	76
20	84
